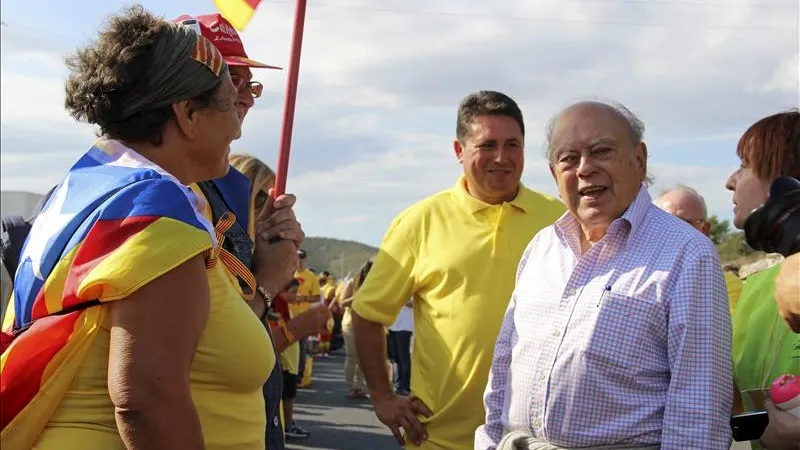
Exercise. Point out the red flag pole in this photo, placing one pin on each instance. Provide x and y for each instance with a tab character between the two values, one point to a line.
291	96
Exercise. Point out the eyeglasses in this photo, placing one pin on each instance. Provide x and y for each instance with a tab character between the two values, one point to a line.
255	87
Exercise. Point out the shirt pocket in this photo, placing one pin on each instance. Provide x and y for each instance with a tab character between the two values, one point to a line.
628	337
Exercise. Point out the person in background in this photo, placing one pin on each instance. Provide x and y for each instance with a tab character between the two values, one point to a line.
455	254
399	343
327	292
688	205
291	330
288	360
354	377
151	310
764	346
308	295
618	331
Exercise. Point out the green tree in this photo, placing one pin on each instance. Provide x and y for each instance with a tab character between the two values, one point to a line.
720	229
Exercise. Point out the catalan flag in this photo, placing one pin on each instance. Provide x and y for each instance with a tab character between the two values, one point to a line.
115	222
238	12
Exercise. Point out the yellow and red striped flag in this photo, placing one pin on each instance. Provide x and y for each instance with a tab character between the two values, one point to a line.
238	12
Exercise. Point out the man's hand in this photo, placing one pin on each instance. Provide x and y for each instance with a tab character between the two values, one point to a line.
787	292
783	431
401	412
310	322
276	262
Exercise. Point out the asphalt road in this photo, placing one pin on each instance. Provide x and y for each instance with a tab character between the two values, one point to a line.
335	421
339	423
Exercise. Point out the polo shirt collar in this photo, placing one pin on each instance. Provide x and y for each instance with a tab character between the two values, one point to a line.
473	205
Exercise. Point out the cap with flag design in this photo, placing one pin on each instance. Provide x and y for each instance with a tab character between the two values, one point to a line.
223	35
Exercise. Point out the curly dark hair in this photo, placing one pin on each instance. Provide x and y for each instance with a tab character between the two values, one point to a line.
127	80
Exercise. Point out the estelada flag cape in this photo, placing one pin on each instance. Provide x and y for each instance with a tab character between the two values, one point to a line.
115	222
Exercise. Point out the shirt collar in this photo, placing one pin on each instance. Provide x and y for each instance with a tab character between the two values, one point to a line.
631	219
474	205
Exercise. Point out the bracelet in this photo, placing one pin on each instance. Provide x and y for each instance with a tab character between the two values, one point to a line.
267	301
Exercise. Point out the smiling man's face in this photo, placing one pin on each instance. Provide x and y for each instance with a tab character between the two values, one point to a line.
492	154
598	169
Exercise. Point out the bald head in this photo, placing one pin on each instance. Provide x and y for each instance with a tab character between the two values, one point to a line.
618	112
687	204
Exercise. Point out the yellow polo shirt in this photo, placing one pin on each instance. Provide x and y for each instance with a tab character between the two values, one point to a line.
458	256
309	287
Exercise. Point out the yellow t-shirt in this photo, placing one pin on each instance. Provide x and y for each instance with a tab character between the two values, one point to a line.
734	285
458	257
290	359
329	290
233	359
309	287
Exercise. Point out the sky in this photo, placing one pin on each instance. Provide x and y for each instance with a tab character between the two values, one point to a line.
380	84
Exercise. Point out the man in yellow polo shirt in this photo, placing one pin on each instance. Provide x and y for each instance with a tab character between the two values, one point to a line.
688	205
307	295
456	252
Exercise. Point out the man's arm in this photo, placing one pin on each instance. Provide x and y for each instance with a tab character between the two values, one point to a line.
487	436
377	303
700	395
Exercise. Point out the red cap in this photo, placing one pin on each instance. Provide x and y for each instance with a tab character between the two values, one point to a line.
221	33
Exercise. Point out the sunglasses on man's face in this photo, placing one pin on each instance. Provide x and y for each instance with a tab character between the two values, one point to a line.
254	87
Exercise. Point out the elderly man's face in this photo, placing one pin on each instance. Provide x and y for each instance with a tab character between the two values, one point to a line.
598	170
241	76
687	207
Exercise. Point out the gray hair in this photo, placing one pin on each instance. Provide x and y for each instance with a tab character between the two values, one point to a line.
689	190
634	125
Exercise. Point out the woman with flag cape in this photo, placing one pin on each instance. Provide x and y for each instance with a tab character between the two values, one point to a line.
125	331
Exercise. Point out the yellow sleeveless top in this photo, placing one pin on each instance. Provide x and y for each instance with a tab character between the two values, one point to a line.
231	364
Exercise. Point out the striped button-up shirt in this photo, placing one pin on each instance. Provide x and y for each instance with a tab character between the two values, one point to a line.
629	343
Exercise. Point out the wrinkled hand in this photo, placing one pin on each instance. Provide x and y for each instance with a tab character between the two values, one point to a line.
277	220
401	412
783	431
787	292
276	262
310	322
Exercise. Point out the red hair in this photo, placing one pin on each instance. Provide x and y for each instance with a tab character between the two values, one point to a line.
771	146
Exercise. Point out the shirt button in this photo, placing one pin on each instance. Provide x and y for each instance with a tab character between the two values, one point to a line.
571	292
541	376
556	333
537	423
275	421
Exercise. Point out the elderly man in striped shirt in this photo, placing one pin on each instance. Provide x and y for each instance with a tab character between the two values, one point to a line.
618	333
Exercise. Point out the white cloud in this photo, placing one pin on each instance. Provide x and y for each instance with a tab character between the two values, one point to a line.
380	83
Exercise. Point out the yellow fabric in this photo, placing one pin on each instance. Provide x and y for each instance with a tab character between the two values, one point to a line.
309	287
232	362
347	317
25	429
233	359
290	359
238	12
328	290
734	285
458	257
143	257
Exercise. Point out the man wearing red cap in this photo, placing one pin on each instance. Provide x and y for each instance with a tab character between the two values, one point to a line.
232	193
